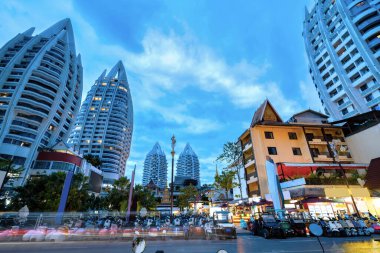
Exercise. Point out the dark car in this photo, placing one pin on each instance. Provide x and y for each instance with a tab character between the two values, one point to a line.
267	226
287	228
299	226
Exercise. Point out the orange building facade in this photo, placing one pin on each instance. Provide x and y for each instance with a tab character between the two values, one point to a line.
305	147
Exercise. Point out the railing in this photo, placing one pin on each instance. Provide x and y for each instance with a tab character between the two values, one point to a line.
252	174
322	154
316	137
255	192
247	145
249	159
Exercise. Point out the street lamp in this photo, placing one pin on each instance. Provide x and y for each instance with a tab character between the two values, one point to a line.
171	185
336	159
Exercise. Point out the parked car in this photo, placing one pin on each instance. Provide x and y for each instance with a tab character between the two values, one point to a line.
267	226
221	226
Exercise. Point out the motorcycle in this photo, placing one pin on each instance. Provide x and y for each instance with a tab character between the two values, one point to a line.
343	227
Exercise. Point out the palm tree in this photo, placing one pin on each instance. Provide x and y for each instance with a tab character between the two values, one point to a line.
225	181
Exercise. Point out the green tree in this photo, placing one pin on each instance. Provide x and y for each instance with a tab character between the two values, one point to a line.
225	181
78	199
232	155
13	172
144	197
117	197
187	194
94	160
43	193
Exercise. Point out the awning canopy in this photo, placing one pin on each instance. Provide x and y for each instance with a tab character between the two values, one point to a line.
296	169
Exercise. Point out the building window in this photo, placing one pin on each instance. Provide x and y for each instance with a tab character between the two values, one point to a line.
292	136
314	152
268	135
297	151
364	87
272	150
344	111
369	97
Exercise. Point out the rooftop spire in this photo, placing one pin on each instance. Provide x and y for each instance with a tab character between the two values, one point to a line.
118	71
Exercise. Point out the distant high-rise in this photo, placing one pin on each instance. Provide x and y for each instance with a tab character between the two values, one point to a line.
40	92
342	39
104	125
188	164
155	167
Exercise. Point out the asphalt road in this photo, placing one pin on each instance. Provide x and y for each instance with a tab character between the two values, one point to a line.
244	243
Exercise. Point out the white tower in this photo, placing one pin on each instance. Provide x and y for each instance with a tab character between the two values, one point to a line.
155	167
40	92
104	125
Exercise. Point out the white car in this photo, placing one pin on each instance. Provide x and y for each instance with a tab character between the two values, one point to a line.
35	235
58	235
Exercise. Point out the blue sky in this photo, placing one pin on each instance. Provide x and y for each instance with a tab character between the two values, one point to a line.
197	69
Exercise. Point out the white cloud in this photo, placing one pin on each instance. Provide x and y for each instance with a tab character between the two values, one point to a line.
173	62
168	62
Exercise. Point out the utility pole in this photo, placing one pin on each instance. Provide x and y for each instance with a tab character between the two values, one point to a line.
171	185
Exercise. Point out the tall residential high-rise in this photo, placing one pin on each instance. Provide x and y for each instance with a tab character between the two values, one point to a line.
342	39
188	164
104	125
40	92
155	167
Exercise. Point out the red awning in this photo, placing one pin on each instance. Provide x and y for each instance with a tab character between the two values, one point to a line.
304	169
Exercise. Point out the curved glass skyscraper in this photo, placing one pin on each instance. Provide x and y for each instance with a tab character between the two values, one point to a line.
342	39
155	167
188	164
40	92
104	125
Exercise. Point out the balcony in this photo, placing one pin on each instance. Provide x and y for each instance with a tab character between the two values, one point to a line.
317	140
350	114
249	162
338	95
346	158
254	193
252	180
362	79
369	22
344	105
370	89
247	146
252	174
374	101
371	32
355	10
338	140
323	157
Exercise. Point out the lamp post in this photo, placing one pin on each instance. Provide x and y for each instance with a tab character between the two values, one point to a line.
336	159
171	185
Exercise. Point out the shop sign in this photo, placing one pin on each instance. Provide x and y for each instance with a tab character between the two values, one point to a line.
314	192
307	192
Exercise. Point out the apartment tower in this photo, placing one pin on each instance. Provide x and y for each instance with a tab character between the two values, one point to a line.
104	125
156	167
40	92
342	40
